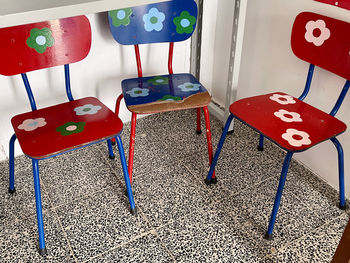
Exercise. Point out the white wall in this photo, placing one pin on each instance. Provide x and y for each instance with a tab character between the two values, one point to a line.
268	65
98	75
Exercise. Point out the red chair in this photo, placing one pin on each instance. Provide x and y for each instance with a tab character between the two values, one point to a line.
48	132
289	122
170	22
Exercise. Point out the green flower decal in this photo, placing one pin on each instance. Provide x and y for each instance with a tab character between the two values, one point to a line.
40	39
184	23
120	16
70	128
170	98
158	80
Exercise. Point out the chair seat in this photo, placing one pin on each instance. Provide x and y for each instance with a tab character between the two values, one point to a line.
291	123
164	93
53	130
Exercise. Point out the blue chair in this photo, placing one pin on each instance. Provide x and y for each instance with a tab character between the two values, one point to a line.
169	22
48	132
292	124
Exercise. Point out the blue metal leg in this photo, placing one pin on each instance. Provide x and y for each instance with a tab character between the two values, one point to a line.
110	149
208	180
126	175
337	144
12	164
278	197
42	248
261	143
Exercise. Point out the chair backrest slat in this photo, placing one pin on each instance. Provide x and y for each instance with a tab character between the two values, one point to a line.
322	41
40	45
171	21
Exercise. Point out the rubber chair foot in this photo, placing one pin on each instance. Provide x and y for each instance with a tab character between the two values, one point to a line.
42	251
199	132
342	207
268	236
133	211
211	181
260	149
12	191
112	157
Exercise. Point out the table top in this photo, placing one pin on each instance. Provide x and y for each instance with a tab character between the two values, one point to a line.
18	12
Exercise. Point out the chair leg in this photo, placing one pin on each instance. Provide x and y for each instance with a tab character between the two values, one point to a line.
210	146
198	130
126	175
110	149
12	188
261	143
208	180
42	248
342	204
132	144
278	197
116	111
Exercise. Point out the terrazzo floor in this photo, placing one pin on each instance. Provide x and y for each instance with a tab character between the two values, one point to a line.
179	219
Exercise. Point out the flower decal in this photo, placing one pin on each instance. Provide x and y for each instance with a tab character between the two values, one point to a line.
70	128
317	32
159	81
153	20
188	86
296	138
137	92
87	109
120	16
32	124
170	98
288	116
283	99
184	23
40	39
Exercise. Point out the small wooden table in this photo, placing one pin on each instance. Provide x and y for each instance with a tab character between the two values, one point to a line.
342	254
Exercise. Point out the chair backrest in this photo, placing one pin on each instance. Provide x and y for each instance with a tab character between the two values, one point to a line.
40	45
322	41
170	21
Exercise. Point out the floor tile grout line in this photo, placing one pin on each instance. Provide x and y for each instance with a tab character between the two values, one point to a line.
66	236
120	245
164	246
306	235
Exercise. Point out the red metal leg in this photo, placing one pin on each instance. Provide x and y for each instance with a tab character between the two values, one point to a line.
132	145
199	131
210	146
117	105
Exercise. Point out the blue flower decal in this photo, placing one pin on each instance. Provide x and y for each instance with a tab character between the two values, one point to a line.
188	86
153	20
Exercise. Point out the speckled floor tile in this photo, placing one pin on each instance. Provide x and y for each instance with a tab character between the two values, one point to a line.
318	246
99	223
20	204
19	241
146	249
168	193
209	236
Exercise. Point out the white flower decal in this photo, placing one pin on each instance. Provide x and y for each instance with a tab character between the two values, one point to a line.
32	124
87	109
282	99
296	138
137	92
317	32
188	86
288	116
153	20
